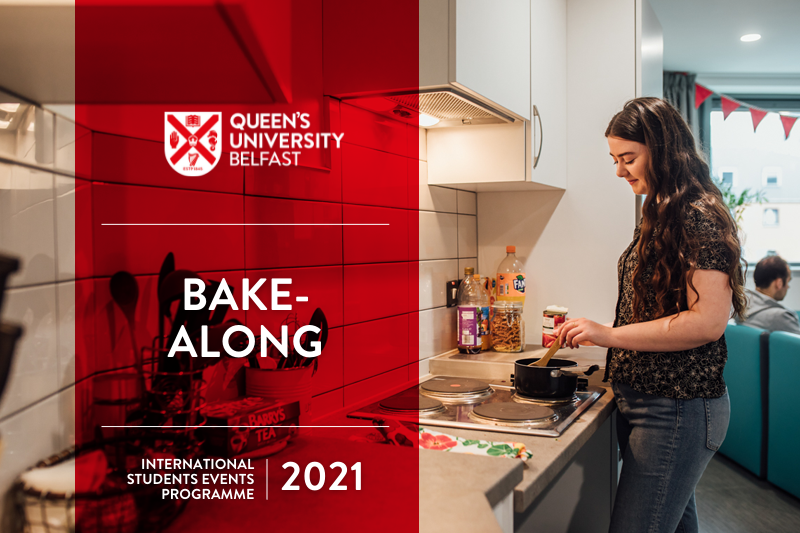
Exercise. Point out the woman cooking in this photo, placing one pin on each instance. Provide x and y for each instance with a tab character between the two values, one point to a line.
679	281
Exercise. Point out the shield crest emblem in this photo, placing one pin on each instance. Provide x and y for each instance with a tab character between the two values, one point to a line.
191	141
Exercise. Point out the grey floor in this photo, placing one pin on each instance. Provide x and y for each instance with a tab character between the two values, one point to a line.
731	500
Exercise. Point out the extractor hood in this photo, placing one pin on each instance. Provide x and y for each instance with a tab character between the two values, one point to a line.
450	106
473	66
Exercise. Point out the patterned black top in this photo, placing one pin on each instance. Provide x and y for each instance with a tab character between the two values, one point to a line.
695	373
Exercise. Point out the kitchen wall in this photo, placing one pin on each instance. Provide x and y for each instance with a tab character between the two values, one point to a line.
361	280
448	242
570	240
37	412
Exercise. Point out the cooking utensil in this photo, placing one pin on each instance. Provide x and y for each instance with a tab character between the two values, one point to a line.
580	370
167	267
219	313
557	380
125	293
172	289
237	341
553	349
317	319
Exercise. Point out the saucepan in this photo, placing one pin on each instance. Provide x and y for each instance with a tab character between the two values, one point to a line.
559	379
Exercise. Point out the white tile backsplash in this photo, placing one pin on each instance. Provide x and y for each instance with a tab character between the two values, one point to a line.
27	228
437	243
424	367
467	236
65	316
433	198
65	144
34	369
37	224
467	203
470	262
438	236
66	414
65	227
433	275
437	331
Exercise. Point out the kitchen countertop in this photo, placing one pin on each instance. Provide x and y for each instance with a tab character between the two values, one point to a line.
550	455
456	491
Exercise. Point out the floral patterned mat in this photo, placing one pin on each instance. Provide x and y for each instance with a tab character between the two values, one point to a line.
433	440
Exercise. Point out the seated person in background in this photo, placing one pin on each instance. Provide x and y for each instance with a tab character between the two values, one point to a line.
772	277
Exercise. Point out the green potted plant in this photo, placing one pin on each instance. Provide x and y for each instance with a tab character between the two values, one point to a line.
738	202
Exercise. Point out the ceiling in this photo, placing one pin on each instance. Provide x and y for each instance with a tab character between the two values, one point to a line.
702	36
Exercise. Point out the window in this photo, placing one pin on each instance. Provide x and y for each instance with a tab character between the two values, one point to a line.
727	175
763	160
771	217
771	176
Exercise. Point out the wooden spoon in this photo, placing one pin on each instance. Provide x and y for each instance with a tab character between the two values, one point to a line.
546	359
125	293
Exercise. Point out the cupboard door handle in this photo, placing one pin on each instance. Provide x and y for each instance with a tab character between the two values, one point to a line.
536	115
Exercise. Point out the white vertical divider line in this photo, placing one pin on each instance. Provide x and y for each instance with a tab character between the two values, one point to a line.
266	465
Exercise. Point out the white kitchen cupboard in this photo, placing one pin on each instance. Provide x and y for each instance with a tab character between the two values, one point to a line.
477	50
493	51
649	51
520	156
479	47
549	92
570	240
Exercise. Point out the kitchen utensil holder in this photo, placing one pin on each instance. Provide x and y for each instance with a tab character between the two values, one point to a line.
176	398
123	509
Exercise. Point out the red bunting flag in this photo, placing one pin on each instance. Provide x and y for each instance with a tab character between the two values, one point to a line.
728	106
700	95
788	123
757	115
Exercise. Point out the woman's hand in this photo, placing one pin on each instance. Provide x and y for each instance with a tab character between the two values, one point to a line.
583	332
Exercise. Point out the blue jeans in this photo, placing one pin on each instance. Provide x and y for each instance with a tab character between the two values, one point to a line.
666	445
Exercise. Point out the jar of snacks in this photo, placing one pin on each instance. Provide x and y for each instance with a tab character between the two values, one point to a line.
508	328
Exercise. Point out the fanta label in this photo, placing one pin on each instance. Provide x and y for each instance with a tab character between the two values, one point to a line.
511	286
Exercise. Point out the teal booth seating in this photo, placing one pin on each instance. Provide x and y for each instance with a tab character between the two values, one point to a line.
784	419
746	377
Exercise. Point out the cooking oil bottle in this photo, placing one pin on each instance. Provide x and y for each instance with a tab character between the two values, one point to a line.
472	300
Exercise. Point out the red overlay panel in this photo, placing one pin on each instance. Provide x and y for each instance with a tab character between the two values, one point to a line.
332	205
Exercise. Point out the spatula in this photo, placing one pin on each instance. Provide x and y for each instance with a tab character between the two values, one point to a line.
546	359
125	292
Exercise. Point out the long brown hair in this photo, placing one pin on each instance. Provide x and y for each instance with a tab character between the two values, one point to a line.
678	181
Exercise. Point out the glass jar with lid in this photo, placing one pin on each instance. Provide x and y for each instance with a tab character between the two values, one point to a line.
508	328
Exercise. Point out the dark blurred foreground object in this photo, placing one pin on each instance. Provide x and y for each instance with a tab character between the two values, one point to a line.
8	265
85	489
8	339
9	334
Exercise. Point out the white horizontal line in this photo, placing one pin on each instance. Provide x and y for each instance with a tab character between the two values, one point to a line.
237	224
190	427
